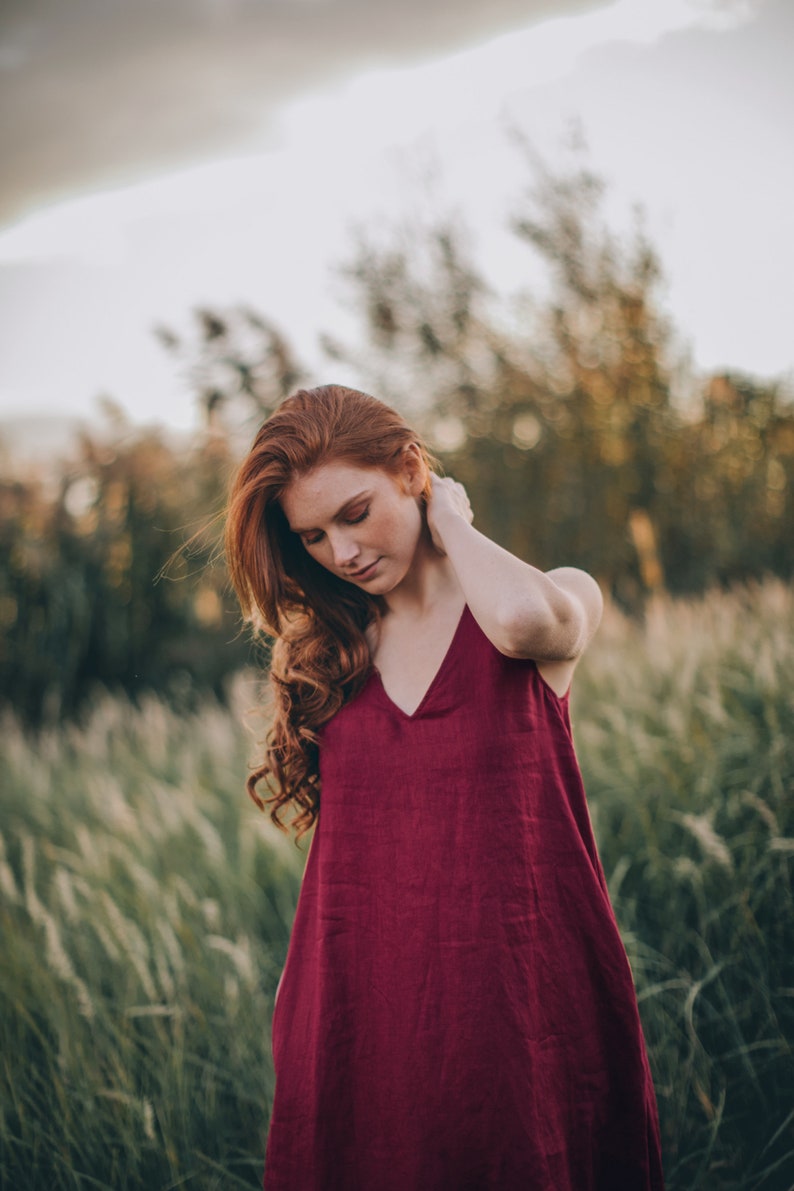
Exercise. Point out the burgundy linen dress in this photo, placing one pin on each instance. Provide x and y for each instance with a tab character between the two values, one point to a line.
457	1010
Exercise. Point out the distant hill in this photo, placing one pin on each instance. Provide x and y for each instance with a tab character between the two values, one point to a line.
28	441
33	443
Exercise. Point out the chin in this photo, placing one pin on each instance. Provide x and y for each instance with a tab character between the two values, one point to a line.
387	582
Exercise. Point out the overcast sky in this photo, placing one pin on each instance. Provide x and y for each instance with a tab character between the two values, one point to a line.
161	155
102	91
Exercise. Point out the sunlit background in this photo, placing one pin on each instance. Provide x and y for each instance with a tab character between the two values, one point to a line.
559	235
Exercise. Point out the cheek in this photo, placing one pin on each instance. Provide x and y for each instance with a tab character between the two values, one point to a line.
405	529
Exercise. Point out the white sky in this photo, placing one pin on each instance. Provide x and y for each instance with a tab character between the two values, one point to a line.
687	109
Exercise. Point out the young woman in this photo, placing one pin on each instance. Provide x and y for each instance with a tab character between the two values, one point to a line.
457	1010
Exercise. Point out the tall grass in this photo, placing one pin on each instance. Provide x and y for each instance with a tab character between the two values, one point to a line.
146	905
685	732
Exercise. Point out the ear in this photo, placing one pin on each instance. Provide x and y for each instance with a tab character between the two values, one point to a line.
413	474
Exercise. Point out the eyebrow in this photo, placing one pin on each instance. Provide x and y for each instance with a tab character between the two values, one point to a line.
338	513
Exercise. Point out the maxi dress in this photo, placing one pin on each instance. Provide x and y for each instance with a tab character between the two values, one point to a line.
456	1010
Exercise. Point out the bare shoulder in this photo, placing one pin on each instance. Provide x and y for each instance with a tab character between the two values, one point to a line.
558	673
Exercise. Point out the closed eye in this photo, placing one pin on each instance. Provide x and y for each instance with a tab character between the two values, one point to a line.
313	541
361	517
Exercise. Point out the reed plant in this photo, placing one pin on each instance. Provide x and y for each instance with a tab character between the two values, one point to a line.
146	908
684	725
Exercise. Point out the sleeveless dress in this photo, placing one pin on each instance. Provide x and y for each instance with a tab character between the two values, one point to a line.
456	1010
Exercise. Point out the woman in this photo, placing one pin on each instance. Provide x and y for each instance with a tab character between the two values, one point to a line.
456	1011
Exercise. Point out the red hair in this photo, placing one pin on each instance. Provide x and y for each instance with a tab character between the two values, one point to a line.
320	656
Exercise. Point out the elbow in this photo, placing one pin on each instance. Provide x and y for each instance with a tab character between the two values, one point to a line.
531	629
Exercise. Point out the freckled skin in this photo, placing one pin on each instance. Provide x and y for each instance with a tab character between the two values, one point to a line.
382	525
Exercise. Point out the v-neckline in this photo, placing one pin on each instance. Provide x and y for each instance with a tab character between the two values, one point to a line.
412	715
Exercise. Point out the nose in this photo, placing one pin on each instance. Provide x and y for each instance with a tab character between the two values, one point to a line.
345	550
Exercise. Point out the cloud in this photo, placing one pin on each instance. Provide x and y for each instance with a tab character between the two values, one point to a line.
686	106
101	93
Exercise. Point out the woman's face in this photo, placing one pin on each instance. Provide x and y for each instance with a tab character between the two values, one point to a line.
361	523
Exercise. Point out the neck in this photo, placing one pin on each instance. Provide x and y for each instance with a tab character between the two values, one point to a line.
430	581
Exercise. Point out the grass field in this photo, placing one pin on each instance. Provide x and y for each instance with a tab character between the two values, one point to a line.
146	906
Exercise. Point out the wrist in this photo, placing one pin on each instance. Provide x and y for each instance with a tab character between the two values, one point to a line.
444	522
447	515
448	505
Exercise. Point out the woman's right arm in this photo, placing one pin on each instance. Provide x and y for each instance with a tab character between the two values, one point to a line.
525	612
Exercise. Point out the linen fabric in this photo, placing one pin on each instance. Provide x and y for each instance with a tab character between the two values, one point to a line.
456	1010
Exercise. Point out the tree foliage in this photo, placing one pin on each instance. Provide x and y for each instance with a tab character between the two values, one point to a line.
574	423
238	365
82	597
569	414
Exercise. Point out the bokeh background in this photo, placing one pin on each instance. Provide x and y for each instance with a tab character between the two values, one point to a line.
559	237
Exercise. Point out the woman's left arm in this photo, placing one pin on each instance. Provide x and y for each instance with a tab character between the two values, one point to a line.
525	612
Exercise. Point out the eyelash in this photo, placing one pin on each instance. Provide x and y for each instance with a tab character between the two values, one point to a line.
348	521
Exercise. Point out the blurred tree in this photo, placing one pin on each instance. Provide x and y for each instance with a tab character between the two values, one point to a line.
79	599
732	473
239	365
115	577
564	416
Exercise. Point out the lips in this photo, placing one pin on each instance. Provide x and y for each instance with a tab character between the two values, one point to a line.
365	571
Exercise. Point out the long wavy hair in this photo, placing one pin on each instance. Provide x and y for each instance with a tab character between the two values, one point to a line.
320	657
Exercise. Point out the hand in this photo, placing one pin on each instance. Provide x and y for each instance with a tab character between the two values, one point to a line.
447	496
